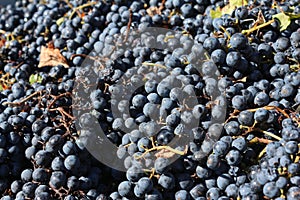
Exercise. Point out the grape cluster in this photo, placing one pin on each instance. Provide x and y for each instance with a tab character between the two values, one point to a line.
193	105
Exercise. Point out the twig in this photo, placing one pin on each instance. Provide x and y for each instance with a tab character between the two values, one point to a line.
81	7
72	7
253	129
154	64
262	152
128	26
157	148
260	140
23	100
247	32
162	5
62	112
57	97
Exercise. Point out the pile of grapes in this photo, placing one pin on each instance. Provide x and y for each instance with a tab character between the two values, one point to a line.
129	100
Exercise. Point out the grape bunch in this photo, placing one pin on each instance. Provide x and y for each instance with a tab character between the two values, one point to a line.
129	100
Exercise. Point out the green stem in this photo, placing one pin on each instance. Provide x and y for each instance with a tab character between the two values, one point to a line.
81	7
154	65
247	32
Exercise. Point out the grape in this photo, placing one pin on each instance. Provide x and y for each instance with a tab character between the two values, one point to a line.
143	186
28	189
270	190
239	144
72	163
220	148
134	173
286	90
231	190
153	195
164	137
233	157
26	175
124	188
138	101
218	56
198	191
223	181
213	193
281	44
16	186
291	147
182	194
213	161
208	68
238	41
40	175
246	118
184	180
233	58
239	102
232	128
293	193
167	181
57	179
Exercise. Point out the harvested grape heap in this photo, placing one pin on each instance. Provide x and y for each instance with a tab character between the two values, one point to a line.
206	109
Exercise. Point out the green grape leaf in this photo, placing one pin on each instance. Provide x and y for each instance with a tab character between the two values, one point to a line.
39	79
238	3
228	9
216	13
293	15
283	19
60	21
35	78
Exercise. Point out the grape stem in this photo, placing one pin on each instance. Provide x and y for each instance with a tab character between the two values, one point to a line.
128	26
154	65
168	37
262	152
23	100
55	98
226	32
72	7
162	5
260	140
157	148
247	32
81	7
62	112
152	173
253	129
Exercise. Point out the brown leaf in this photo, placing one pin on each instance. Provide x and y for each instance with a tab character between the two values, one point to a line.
51	57
164	154
153	11
2	41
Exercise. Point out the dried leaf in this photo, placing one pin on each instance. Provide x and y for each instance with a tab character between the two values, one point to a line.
2	41
164	154
153	11
51	57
